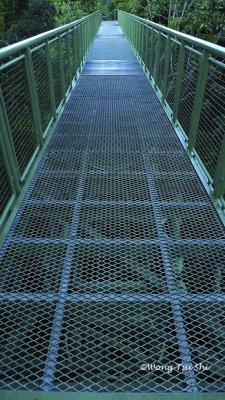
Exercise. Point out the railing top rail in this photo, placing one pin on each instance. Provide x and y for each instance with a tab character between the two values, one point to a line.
210	47
23	44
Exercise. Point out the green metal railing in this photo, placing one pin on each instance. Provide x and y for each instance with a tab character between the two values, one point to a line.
188	74
36	76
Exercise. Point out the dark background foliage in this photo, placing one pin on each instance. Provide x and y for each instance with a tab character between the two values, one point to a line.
24	18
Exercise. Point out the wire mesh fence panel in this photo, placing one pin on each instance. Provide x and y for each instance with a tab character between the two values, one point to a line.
42	84
18	106
76	45
162	61
66	59
56	72
5	187
154	42
188	89
172	75
212	122
148	47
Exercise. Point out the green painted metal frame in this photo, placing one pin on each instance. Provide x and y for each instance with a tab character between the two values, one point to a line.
134	28
80	34
22	395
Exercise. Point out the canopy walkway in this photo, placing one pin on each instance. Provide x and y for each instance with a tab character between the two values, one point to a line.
112	200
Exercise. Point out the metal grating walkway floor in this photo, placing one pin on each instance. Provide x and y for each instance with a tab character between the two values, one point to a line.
112	274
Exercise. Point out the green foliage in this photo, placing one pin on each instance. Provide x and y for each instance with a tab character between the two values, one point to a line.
20	19
37	18
204	18
67	12
23	18
10	12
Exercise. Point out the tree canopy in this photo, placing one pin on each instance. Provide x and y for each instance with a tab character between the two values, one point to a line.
202	18
20	19
24	18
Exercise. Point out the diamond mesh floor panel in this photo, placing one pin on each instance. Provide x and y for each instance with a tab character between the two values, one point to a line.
112	275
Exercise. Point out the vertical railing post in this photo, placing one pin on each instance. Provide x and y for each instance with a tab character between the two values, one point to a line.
7	134
6	163
158	53
69	65
166	68
178	85
87	29
82	44
88	36
61	69
136	34
50	80
147	46
134	31
151	60
131	28
219	176
85	39
33	97
91	31
79	34
8	154
143	42
198	101
128	28
130	32
139	39
74	51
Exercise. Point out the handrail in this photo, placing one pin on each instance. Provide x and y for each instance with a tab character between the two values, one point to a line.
187	74
36	76
210	47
